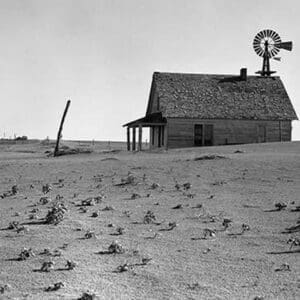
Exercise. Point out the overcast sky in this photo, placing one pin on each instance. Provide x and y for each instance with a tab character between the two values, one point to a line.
101	54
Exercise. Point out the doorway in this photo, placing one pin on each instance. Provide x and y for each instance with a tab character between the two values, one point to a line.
203	134
198	134
261	133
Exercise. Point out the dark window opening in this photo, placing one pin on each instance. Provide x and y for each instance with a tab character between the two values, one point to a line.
208	135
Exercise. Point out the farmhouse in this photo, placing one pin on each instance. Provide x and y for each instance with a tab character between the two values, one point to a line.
186	110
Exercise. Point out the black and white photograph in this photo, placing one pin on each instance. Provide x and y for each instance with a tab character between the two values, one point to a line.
149	149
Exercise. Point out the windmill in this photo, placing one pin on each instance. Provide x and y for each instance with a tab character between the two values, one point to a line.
267	44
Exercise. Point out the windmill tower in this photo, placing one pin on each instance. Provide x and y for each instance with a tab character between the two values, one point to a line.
267	44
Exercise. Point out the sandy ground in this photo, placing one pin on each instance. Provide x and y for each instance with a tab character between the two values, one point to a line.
196	258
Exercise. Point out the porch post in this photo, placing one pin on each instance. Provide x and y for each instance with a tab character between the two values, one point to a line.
140	137
133	139
128	139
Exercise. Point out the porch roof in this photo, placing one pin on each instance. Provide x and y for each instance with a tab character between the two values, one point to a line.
155	119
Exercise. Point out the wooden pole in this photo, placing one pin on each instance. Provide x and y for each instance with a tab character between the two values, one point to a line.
133	139
140	137
128	139
61	128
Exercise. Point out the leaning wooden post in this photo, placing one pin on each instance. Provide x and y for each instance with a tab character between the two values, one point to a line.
60	128
128	139
140	138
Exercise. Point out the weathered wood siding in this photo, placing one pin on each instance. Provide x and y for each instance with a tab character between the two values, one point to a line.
181	131
158	140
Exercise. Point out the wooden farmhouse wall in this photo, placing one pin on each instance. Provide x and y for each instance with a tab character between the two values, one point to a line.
181	132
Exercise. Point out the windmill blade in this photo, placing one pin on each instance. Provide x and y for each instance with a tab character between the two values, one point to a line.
256	41
260	35
276	37
265	33
286	45
277	58
272	52
261	52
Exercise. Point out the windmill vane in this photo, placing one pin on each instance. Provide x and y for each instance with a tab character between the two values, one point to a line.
267	44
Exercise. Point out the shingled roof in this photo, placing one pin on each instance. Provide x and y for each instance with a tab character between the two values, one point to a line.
221	97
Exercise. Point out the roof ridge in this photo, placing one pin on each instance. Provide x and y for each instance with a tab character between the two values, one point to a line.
205	74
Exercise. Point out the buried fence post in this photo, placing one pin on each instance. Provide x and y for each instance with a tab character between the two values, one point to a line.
60	129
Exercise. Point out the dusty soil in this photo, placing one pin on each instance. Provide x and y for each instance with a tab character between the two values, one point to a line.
199	256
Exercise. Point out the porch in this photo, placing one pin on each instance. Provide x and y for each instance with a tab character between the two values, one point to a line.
158	134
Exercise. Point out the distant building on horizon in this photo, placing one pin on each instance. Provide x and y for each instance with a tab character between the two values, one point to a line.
187	110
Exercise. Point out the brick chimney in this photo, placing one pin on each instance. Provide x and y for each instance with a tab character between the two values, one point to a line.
243	74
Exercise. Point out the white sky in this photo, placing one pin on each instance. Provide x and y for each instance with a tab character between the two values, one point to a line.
101	54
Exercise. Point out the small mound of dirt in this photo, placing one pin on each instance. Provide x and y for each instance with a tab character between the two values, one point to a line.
65	150
209	157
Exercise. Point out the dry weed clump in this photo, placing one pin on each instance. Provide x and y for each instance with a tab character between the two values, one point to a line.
33	217
91	201
177	186
87	296
95	214
116	248
280	206
127	213
90	234
56	214
171	226
70	265
108	208
293	242
59	197
135	196
47	266
145	261
5	288
245	227
125	267
283	267
55	287
130	179
122	268
45	200
13	225
14	190
149	217
119	231
54	253
187	186
226	223
83	209
154	185
207	233
22	228
25	254
47	188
